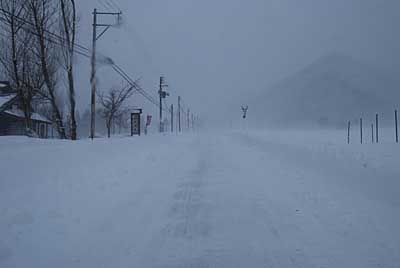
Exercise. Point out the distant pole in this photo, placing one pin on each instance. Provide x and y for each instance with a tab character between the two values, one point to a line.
377	128
179	113
372	131
161	96
348	132
192	122
361	131
188	119
396	126
172	118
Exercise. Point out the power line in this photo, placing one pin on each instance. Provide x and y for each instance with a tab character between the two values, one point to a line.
85	52
114	4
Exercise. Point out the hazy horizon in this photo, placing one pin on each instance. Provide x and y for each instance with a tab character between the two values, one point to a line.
214	53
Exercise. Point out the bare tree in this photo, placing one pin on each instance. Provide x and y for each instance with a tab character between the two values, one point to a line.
43	16
68	31
112	104
121	121
16	57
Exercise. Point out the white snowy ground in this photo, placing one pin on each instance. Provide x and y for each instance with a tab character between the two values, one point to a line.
227	199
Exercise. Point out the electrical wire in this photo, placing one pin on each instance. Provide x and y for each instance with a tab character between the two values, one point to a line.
85	52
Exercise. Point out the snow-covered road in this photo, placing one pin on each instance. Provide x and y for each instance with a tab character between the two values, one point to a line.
228	199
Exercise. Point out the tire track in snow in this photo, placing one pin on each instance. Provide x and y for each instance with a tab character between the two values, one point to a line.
180	242
189	211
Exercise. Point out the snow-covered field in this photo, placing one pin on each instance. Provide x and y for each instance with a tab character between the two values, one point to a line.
225	199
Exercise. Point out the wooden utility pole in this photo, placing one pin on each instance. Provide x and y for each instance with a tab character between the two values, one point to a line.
172	118
93	78
96	37
179	113
162	95
396	126
348	132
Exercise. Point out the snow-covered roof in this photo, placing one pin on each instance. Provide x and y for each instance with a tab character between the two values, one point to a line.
3	85
19	113
7	98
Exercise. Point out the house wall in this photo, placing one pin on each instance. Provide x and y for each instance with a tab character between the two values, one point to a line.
10	125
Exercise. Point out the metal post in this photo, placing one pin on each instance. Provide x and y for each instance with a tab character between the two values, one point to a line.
348	132
396	126
361	131
172	118
179	113
377	128
93	78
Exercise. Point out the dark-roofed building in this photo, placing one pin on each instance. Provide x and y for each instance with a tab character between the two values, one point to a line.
12	118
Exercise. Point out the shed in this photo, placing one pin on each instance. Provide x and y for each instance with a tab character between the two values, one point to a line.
12	118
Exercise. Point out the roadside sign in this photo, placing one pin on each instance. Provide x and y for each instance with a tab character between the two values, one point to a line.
135	122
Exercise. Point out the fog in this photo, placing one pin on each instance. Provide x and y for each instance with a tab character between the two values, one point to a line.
219	54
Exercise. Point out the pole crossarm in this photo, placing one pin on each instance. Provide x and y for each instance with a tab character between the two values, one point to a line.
103	32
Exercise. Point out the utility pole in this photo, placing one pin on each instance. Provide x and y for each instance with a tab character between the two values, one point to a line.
193	122
172	118
372	132
348	132
396	126
162	95
188	119
96	37
179	113
93	77
361	131
377	128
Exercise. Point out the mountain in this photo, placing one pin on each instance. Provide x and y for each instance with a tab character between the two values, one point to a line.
333	89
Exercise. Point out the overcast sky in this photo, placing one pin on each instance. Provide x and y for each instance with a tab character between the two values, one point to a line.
213	52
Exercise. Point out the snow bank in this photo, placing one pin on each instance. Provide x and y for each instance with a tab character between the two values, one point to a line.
240	199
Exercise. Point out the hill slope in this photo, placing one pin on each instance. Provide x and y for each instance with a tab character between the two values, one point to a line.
331	90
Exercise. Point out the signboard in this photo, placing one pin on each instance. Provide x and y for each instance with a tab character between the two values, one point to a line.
135	122
148	122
